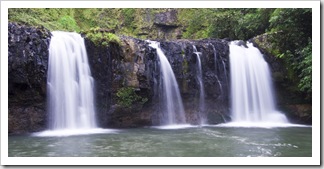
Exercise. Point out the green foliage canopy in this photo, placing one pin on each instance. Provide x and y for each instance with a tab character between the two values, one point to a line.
294	43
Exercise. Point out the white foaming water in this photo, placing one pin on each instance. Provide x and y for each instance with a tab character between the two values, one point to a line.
73	132
174	127
267	125
70	86
251	89
174	111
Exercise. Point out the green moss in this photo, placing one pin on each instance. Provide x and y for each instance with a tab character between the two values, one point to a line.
102	37
265	42
127	96
183	53
68	23
185	66
128	14
123	21
86	18
50	18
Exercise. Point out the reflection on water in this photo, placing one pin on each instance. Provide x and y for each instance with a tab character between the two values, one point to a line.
186	142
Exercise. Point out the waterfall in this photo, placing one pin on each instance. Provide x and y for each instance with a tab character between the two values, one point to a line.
70	88
201	87
173	111
251	87
216	67
69	82
224	68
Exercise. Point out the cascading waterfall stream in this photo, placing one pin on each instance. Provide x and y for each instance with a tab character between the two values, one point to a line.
70	87
70	84
224	67
201	87
174	112
251	88
215	58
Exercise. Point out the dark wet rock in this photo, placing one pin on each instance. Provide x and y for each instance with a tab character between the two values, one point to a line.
168	18
240	43
115	67
166	25
183	62
27	71
134	64
100	61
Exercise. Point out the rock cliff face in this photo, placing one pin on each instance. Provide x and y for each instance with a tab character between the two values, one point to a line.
27	70
183	60
127	78
134	64
167	25
163	24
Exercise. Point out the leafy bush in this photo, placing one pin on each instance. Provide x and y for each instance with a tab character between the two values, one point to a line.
127	96
129	15
50	18
294	43
305	67
68	23
101	37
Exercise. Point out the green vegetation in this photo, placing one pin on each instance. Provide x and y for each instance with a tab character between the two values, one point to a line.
68	23
185	66
127	96
305	69
293	43
101	36
50	18
239	23
129	16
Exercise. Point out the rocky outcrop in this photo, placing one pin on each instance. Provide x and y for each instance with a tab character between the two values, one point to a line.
27	71
167	25
162	24
134	64
215	76
168	18
99	58
115	67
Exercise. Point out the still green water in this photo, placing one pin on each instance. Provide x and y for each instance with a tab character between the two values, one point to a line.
188	142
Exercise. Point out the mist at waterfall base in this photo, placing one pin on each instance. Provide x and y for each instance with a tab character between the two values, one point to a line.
70	88
252	100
